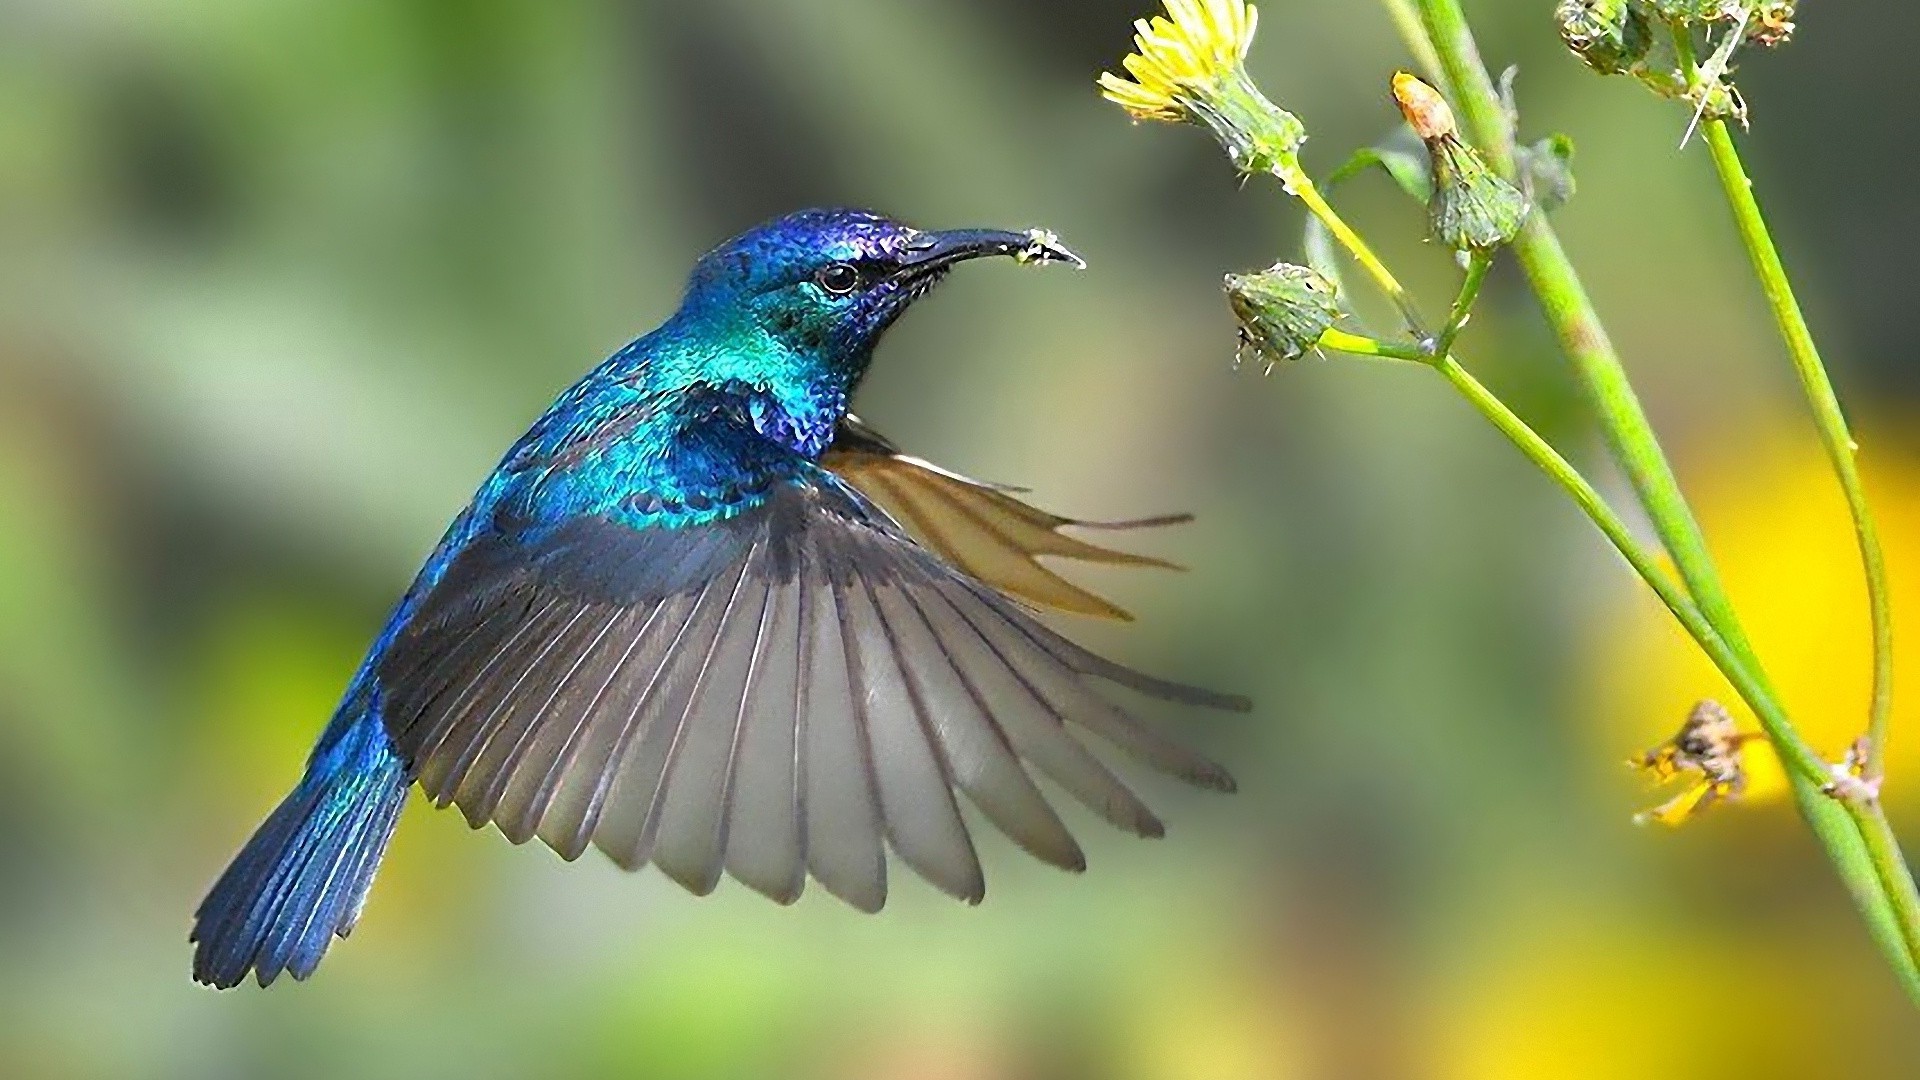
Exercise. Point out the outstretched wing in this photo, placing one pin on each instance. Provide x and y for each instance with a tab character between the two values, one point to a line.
779	694
980	528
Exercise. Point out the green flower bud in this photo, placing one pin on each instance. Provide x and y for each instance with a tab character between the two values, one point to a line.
1610	36
1473	208
1282	311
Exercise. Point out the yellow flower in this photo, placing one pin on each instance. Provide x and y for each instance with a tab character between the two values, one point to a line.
1186	68
1176	59
1787	551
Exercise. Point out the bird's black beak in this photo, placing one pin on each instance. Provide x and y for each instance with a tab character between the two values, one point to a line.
933	252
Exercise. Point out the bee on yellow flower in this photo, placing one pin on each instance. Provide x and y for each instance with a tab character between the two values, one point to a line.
1709	745
1188	66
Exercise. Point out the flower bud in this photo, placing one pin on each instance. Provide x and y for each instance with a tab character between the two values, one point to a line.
1473	208
1282	311
1609	36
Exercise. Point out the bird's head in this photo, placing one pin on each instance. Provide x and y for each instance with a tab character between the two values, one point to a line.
828	282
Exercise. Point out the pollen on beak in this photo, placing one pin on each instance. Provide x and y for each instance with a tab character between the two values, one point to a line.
937	250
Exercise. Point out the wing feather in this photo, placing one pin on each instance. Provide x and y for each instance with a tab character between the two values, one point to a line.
979	756
916	790
783	694
983	530
688	842
763	811
842	819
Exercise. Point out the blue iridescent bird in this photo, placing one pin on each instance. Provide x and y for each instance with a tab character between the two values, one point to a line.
701	617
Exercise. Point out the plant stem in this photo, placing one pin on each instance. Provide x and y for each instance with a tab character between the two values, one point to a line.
1564	301
1301	186
1827	414
1883	849
1407	19
1745	678
1373	348
1477	266
1872	872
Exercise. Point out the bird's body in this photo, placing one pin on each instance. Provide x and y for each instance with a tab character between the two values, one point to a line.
675	623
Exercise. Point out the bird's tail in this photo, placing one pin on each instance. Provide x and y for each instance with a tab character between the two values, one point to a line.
304	875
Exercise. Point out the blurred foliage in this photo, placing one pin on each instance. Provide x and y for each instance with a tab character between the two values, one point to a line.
279	280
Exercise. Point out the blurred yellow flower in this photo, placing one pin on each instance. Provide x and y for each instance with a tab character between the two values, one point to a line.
1780	533
1580	989
1180	59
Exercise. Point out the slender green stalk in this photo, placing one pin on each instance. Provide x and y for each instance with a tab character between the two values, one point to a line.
1406	18
1744	678
1302	187
1735	660
1589	499
1827	414
1883	848
1477	266
1372	348
1564	300
1641	455
1871	870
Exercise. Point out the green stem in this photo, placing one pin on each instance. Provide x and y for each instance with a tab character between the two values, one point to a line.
1478	264
1872	872
1856	836
1563	298
1739	672
1827	414
1372	348
1301	186
1542	453
1883	850
1406	18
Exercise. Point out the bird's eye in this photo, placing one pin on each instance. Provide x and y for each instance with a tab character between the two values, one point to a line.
838	279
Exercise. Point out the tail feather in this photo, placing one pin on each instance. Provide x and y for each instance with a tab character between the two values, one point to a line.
303	877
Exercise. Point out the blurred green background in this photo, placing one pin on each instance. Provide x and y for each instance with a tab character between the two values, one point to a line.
279	280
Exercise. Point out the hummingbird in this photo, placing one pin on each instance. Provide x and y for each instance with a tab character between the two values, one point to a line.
701	617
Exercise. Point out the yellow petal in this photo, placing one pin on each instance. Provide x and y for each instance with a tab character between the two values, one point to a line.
1196	44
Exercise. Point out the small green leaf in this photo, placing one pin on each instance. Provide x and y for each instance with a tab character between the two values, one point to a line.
1401	156
1546	171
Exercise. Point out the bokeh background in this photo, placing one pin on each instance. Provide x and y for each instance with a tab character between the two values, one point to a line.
278	281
